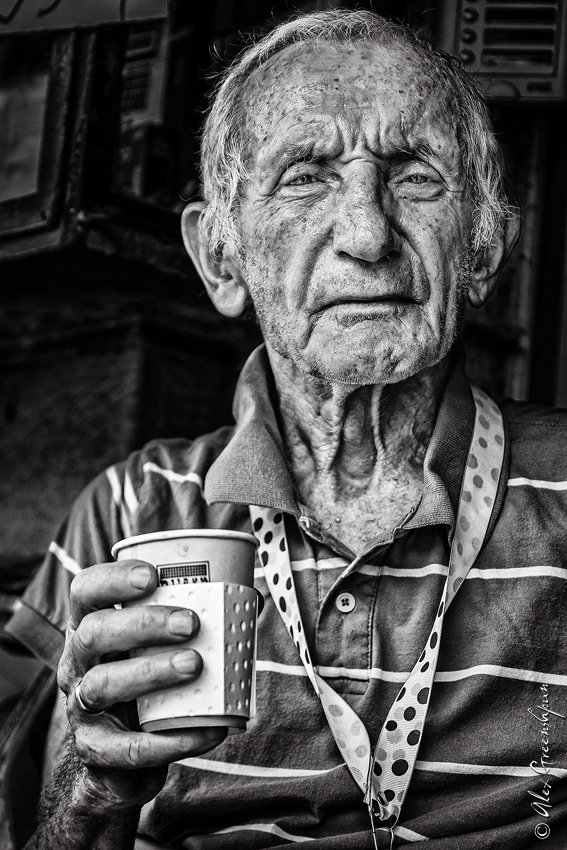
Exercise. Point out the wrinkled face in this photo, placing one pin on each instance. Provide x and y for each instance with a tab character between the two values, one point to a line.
355	227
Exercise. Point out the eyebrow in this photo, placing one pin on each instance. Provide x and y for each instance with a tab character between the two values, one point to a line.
420	147
288	152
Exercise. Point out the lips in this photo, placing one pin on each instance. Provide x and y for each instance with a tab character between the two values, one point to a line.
350	313
350	303
376	299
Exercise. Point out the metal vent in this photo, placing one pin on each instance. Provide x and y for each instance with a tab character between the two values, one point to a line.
142	46
137	79
517	46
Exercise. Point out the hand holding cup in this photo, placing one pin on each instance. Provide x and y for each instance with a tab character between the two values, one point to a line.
123	765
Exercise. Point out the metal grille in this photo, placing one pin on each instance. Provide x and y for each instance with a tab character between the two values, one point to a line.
517	46
142	46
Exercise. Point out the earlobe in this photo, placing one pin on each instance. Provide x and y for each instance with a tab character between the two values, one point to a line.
488	262
223	279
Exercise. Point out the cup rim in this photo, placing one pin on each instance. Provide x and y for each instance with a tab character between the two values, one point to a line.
156	536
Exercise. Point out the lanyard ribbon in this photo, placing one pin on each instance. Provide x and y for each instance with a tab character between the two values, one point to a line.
384	775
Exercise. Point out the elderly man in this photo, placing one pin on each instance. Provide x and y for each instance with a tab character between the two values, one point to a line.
411	681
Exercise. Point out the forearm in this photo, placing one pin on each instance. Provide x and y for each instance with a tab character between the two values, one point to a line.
72	817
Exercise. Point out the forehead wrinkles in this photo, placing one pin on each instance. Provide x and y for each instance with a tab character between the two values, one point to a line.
306	88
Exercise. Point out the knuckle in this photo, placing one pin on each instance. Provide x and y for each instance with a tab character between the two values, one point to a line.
84	746
147	622
85	636
136	752
148	669
84	581
93	688
103	683
65	668
76	585
63	678
76	588
140	624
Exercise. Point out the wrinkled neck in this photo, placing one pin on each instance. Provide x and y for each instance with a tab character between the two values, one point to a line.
355	435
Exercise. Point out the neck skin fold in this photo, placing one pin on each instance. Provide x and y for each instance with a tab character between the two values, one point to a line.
356	438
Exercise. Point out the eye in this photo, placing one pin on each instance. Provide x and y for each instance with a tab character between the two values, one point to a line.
302	175
416	179
301	180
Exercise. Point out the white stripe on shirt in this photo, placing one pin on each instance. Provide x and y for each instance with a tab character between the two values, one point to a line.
540	485
408	834
129	495
486	574
64	559
233	769
116	488
518	572
253	769
112	476
503	673
270	828
322	564
364	569
177	477
332	672
487	769
273	829
365	674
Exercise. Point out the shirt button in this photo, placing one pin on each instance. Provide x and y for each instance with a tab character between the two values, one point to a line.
345	603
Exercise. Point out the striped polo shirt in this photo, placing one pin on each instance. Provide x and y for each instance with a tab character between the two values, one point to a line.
492	767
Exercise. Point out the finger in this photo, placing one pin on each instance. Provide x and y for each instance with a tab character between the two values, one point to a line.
121	681
101	745
103	585
103	632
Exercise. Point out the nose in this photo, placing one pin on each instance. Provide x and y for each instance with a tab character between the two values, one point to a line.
363	228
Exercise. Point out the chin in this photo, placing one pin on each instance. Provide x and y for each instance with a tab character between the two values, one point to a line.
361	366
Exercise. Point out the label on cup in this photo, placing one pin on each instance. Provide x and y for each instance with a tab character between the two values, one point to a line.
191	573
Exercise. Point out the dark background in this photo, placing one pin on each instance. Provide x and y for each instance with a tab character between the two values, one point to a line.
106	336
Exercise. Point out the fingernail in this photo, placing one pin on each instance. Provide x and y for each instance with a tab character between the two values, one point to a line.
140	577
185	662
182	623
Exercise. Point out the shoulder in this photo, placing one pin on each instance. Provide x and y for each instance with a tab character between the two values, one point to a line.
172	459
179	457
538	438
148	481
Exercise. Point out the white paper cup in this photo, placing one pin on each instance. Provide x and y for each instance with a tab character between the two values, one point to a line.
210	571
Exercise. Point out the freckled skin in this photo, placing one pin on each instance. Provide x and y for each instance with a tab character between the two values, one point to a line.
356	233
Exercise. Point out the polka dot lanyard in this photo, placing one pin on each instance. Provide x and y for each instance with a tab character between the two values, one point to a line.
384	775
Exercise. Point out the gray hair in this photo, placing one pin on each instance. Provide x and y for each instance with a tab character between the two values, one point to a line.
223	144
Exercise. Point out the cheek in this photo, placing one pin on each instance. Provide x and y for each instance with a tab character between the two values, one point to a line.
281	242
268	239
441	242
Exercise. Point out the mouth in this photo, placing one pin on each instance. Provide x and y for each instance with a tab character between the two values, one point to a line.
374	300
349	311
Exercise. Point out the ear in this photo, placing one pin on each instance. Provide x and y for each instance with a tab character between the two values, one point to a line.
489	261
223	279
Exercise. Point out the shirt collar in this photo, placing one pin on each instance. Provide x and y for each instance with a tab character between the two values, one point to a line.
253	469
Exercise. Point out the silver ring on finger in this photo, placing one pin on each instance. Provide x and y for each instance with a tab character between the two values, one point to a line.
81	702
